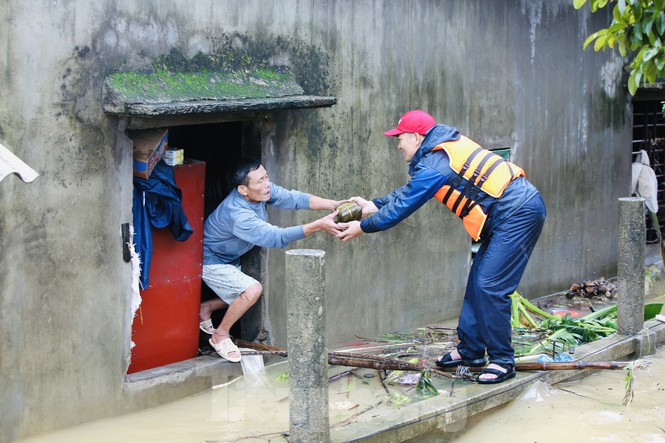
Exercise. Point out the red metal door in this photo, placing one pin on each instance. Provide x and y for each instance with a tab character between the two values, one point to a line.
166	327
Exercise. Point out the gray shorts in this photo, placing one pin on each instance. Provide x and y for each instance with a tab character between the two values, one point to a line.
227	281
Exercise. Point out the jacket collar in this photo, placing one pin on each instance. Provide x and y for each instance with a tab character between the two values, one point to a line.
436	135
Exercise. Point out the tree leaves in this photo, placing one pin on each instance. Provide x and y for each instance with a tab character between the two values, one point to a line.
578	3
638	29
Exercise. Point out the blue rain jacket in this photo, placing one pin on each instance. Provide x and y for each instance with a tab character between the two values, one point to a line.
429	171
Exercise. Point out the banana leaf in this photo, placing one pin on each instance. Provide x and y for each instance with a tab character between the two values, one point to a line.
600	313
651	310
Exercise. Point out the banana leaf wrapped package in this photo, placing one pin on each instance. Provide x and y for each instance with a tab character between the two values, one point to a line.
347	212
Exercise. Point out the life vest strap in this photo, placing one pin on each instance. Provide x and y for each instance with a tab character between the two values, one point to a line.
471	187
460	175
475	189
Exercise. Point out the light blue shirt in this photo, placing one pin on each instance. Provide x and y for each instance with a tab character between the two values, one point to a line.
236	226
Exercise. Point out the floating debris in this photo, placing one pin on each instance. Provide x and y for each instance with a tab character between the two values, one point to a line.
409	379
343	405
593	288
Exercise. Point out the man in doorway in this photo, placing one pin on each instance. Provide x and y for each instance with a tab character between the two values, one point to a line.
497	206
237	225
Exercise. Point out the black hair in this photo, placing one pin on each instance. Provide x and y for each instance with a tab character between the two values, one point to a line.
242	169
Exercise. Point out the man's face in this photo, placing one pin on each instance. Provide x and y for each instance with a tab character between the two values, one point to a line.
257	188
408	144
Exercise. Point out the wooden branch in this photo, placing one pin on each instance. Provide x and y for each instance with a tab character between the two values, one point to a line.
383	363
346	359
565	365
256	346
336	377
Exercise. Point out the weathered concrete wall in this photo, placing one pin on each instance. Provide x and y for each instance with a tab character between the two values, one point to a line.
504	73
509	73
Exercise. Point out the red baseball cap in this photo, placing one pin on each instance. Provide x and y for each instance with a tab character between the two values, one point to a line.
416	121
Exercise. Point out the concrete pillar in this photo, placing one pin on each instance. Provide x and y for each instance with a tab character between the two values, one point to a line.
308	353
631	266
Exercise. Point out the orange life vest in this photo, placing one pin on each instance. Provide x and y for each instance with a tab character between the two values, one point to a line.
477	169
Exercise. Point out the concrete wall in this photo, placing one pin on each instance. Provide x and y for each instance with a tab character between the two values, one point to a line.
506	73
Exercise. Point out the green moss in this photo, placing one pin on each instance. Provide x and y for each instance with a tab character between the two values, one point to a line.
167	85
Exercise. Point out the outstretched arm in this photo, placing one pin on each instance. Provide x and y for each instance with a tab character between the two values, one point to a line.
316	203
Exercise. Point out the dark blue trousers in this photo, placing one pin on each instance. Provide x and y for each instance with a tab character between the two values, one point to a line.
484	323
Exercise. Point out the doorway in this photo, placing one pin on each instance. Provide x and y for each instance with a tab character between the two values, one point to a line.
220	145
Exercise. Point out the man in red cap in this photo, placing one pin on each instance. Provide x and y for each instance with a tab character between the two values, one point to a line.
498	207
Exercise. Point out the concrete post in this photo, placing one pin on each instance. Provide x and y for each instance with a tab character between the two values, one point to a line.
632	252
308	353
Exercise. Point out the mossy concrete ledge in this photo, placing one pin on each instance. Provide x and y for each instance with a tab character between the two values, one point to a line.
165	92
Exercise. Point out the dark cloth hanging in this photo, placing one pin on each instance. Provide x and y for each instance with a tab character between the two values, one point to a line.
157	204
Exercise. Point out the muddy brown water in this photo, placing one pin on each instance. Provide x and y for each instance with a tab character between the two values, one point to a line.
587	409
256	409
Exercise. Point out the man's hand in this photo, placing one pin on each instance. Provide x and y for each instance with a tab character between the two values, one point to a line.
323	224
349	230
367	206
328	225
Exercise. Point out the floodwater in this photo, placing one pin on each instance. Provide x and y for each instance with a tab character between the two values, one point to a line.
588	409
256	409
248	409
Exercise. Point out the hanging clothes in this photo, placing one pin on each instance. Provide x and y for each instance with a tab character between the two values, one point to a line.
157	204
644	182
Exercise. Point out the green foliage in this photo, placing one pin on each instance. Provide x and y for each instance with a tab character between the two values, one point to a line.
630	392
563	332
556	342
585	330
638	30
425	387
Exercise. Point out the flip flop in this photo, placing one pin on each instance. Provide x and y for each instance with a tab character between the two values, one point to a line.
500	375
207	327
224	348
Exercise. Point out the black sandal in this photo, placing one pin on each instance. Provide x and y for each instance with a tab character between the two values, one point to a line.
447	362
500	375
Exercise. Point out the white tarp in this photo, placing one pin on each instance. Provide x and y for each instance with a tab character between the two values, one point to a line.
11	164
